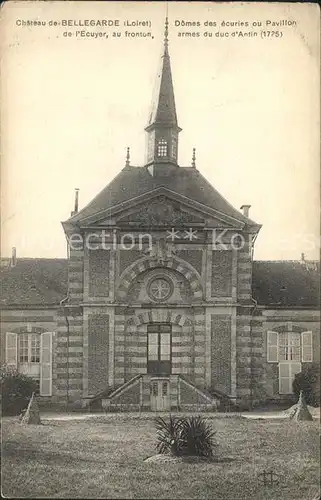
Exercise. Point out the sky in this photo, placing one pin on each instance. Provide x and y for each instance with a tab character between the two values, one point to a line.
249	105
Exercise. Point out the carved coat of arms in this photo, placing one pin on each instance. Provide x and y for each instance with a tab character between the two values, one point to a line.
162	251
160	213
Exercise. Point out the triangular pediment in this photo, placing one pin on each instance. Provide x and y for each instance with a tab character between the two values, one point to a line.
163	208
160	212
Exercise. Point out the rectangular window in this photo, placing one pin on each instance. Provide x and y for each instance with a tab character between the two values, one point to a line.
165	347
294	346
29	348
35	349
159	348
153	346
24	348
162	148
289	346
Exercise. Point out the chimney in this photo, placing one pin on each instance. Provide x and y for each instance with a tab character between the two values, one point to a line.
246	210
75	210
13	257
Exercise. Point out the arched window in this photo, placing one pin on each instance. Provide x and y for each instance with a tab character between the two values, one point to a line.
162	148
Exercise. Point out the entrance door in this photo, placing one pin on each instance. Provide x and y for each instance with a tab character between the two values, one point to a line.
159	395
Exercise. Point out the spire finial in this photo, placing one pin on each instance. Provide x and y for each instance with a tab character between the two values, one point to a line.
166	33
194	158
127	157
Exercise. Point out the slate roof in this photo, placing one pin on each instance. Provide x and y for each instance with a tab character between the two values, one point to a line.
163	103
286	283
275	283
134	181
34	282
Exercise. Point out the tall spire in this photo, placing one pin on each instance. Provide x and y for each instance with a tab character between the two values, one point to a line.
163	106
162	126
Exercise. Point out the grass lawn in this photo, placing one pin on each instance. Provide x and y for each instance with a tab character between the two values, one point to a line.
103	458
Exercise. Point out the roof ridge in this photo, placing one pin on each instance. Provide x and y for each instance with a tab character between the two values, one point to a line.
35	258
288	260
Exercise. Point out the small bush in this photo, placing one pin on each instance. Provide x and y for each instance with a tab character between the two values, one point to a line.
185	436
308	381
16	390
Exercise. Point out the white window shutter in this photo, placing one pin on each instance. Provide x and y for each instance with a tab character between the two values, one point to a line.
306	346
285	383
295	368
11	349
287	372
46	364
272	347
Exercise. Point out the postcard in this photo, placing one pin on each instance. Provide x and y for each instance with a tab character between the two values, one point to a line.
160	317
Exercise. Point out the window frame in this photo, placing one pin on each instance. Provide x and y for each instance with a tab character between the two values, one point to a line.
27	339
289	350
162	148
162	362
152	283
290	347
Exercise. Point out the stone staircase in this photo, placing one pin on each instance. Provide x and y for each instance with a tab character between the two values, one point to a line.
135	395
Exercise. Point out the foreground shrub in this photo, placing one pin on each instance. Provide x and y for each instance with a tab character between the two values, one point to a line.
308	381
169	435
185	436
16	390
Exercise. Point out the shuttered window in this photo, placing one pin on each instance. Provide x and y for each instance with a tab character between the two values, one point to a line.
11	349
272	347
289	350
289	346
307	349
31	354
46	364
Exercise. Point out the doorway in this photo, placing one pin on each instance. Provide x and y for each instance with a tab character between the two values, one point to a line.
160	395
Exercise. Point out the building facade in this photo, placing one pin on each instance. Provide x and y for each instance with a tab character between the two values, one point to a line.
160	305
